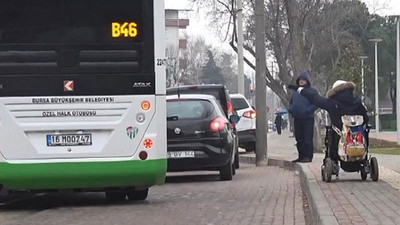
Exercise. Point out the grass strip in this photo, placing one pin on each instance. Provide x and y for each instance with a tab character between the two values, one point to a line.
386	151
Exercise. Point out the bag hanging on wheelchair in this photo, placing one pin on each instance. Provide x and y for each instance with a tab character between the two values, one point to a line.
352	144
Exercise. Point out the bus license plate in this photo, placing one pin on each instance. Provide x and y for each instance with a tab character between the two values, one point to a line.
69	139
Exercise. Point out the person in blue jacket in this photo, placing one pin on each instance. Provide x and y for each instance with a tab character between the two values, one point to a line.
302	110
340	101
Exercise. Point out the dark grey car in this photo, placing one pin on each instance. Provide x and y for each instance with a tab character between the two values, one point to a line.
221	94
199	135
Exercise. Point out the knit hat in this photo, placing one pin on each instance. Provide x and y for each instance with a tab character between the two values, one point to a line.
340	85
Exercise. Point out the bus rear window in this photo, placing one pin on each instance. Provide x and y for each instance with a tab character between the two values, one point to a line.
71	21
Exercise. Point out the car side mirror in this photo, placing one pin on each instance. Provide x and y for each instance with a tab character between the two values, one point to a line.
234	118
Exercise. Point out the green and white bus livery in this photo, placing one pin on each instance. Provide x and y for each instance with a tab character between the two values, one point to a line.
82	96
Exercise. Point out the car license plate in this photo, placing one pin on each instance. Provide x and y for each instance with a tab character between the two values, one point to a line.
68	139
181	154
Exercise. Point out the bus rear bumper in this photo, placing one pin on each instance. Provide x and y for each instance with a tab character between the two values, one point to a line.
82	175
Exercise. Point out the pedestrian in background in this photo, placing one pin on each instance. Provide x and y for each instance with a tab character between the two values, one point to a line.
302	111
278	123
284	124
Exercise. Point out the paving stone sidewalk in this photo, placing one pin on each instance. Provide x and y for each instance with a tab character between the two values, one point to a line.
347	200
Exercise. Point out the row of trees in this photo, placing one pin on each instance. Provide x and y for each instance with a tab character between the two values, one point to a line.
204	65
322	36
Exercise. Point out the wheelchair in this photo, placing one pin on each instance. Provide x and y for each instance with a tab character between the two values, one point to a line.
348	156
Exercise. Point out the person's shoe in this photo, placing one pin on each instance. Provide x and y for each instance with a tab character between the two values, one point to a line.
305	160
297	160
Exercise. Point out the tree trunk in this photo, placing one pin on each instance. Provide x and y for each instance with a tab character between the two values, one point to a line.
296	26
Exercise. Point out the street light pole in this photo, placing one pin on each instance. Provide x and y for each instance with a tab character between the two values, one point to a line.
376	41
362	57
240	47
398	78
261	137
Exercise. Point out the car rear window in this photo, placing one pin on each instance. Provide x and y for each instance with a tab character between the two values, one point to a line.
189	109
239	103
214	92
219	93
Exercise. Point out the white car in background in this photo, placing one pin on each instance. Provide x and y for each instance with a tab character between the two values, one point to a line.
246	127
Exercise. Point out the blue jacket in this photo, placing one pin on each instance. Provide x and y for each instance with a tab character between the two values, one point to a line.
300	106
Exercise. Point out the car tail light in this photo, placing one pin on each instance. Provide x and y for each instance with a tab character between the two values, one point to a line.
217	124
230	108
251	114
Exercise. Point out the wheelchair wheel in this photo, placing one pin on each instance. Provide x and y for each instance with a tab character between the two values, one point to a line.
328	170
363	170
363	174
374	169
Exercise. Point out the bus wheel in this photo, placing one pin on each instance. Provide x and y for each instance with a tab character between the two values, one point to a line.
115	196
138	195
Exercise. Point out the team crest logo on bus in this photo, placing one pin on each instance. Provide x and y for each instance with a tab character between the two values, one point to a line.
68	85
131	132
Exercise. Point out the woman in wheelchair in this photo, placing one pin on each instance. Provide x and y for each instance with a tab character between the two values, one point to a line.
340	101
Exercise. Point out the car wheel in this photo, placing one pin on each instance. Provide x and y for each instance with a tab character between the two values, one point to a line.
237	160
226	171
251	147
115	196
138	195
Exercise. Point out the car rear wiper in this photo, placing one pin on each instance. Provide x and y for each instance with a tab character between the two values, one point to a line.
172	118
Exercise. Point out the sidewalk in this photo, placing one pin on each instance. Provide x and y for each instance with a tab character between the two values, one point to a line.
385	135
348	200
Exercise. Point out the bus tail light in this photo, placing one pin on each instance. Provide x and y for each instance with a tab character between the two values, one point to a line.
143	155
217	124
145	105
148	143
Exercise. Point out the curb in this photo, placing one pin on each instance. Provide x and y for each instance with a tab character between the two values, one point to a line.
321	212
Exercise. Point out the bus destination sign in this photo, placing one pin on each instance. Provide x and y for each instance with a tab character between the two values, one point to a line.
124	29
